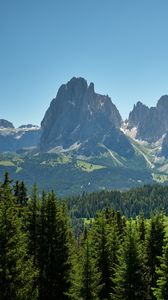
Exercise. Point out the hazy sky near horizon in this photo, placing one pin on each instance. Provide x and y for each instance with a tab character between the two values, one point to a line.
120	45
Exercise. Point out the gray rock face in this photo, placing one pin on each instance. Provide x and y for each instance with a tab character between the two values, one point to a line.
152	122
5	124
138	114
79	115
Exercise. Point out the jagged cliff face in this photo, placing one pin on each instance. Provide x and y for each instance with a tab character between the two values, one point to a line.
79	115
152	122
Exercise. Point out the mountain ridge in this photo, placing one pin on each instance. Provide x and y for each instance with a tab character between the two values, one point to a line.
84	145
79	115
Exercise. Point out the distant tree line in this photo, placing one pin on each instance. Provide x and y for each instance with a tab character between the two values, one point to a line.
149	199
113	257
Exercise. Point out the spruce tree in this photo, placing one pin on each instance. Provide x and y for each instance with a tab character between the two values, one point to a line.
161	291
57	248
85	278
20	192
141	227
102	255
17	274
42	247
154	245
130	278
32	222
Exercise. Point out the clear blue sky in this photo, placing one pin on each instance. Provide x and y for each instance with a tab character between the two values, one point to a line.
120	45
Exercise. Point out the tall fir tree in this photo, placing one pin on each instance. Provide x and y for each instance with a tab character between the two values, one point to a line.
42	246
161	291
20	192
17	273
107	234
85	278
56	244
130	277
32	223
102	255
154	245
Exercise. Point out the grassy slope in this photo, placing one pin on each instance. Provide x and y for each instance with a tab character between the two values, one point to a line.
69	175
72	175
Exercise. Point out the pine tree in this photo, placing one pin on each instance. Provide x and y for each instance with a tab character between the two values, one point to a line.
56	270
106	240
42	247
154	245
17	274
5	188
102	255
32	222
161	291
85	278
20	192
141	227
130	277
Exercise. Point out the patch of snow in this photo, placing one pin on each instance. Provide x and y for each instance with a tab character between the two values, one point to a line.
129	132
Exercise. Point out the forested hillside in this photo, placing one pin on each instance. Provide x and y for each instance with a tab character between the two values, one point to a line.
146	199
113	256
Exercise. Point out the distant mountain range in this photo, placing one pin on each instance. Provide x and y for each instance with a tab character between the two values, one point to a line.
13	139
84	131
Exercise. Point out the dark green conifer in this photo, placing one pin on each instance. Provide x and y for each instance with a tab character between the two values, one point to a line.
161	291
85	278
32	222
17	274
154	245
130	276
56	264
105	243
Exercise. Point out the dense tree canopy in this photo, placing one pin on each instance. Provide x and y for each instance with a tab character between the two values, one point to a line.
106	255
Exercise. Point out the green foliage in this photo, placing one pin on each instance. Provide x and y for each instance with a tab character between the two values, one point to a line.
161	291
154	246
17	273
53	249
113	257
130	278
85	278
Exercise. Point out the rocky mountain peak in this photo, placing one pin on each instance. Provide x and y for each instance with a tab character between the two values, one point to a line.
5	124
80	115
163	102
136	116
151	122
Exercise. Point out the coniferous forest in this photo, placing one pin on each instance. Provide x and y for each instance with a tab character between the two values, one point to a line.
106	247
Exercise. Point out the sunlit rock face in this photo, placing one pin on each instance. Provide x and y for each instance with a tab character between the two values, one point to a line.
78	115
152	122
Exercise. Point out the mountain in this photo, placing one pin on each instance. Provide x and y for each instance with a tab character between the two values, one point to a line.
84	145
5	124
79	118
13	139
151	123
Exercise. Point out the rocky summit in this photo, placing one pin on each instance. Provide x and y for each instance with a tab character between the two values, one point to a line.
5	124
151	123
80	118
